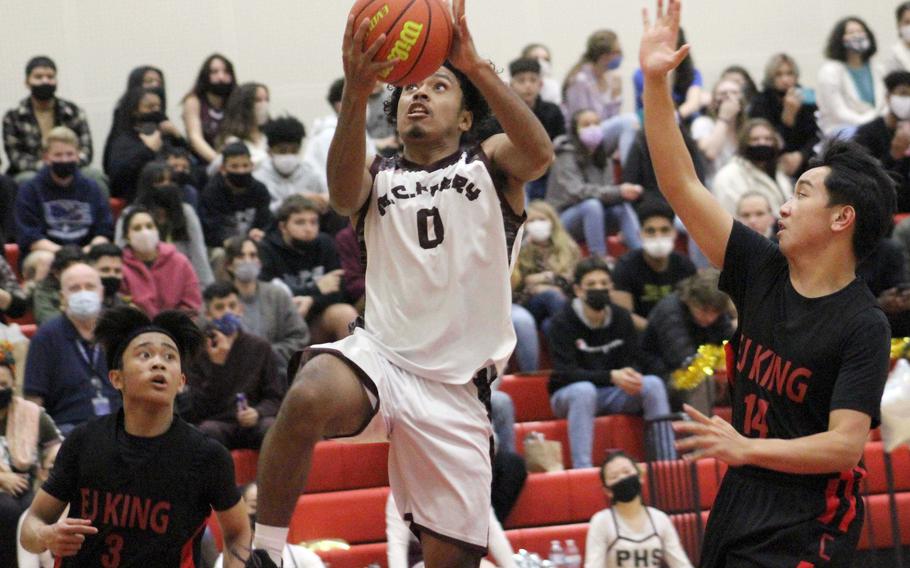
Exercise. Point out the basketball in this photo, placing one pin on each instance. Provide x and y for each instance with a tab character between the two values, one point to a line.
418	34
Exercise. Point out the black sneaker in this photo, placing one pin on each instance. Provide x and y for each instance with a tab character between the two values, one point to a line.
260	559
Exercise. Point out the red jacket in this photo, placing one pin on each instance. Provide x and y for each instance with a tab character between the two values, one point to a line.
169	284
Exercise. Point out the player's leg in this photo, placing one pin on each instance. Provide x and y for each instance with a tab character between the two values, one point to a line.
441	553
326	400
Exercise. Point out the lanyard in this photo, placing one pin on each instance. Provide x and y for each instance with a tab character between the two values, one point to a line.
89	357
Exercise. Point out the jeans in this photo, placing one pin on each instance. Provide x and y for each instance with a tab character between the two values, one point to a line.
581	402
587	220
545	305
527	348
536	189
620	130
502	412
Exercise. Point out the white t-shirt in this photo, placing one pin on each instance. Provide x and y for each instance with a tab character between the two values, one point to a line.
702	127
612	544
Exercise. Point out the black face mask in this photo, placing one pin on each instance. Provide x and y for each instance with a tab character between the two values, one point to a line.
626	489
44	91
111	286
155	117
597	299
64	170
242	181
6	397
221	89
300	244
182	178
760	153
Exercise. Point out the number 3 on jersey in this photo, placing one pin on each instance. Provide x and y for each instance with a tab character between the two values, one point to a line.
425	219
756	416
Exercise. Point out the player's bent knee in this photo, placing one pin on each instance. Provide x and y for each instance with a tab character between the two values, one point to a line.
326	395
439	553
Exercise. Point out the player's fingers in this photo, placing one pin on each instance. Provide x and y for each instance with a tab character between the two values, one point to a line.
645	20
380	66
79	530
348	34
675	9
694	414
660	11
375	47
680	54
360	34
690	428
694	456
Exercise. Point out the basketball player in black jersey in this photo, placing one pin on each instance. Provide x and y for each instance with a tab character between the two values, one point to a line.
809	359
140	483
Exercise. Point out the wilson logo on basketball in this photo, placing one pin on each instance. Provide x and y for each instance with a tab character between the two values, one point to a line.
378	16
410	34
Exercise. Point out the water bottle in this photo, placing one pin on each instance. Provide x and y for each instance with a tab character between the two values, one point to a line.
557	556
572	555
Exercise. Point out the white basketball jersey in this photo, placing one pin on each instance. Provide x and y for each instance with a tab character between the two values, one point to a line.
440	241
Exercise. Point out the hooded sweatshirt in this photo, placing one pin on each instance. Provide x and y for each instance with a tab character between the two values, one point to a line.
227	213
169	283
572	181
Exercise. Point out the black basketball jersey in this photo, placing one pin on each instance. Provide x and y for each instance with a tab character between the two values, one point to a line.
148	497
795	359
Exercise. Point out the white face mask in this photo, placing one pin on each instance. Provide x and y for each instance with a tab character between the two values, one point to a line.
144	241
658	247
286	164
905	33
900	106
539	230
83	305
262	112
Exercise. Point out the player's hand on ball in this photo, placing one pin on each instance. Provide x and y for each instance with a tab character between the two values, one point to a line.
710	438
658	54
65	537
360	71
463	54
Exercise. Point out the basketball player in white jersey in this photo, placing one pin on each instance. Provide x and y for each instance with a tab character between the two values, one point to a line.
439	225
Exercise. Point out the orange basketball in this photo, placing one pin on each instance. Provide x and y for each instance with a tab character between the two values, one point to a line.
418	33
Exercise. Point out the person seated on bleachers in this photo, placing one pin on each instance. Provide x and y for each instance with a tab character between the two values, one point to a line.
139	132
203	106
741	75
245	113
754	211
65	371
885	272
628	533
156	276
107	259
542	280
35	268
791	109
177	221
887	137
60	206
403	550
46	294
234	204
268	311
527	83
643	277
305	261
716	131
233	363
687	87
639	170
180	162
28	435
285	173
580	187
13	301
355	273
551	90
898	58
594	348
696	314
754	168
26	127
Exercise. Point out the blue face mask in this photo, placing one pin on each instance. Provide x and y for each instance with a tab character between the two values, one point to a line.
613	65
227	324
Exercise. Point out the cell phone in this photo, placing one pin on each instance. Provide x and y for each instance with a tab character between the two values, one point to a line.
808	95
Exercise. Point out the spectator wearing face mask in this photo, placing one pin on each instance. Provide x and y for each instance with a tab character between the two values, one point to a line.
644	277
245	114
754	211
268	310
65	371
180	162
156	276
629	533
60	206
850	88
898	59
580	187
754	168
177	222
46	295
715	132
550	90
234	204
304	260
203	106
285	173
887	137
233	363
107	260
542	281
595	351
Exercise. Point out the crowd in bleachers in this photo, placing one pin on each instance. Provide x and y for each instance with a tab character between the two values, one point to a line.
225	215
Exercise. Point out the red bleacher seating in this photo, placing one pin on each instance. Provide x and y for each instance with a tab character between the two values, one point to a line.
356	516
28	330
116	204
529	395
615	432
11	252
874	460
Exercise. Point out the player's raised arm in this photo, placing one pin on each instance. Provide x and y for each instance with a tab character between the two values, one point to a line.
707	222
347	168
524	152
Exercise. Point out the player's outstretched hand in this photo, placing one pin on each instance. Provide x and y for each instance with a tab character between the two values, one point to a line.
360	71
657	54
710	438
65	537
462	54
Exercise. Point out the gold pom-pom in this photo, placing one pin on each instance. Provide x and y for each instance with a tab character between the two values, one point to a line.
899	347
707	360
